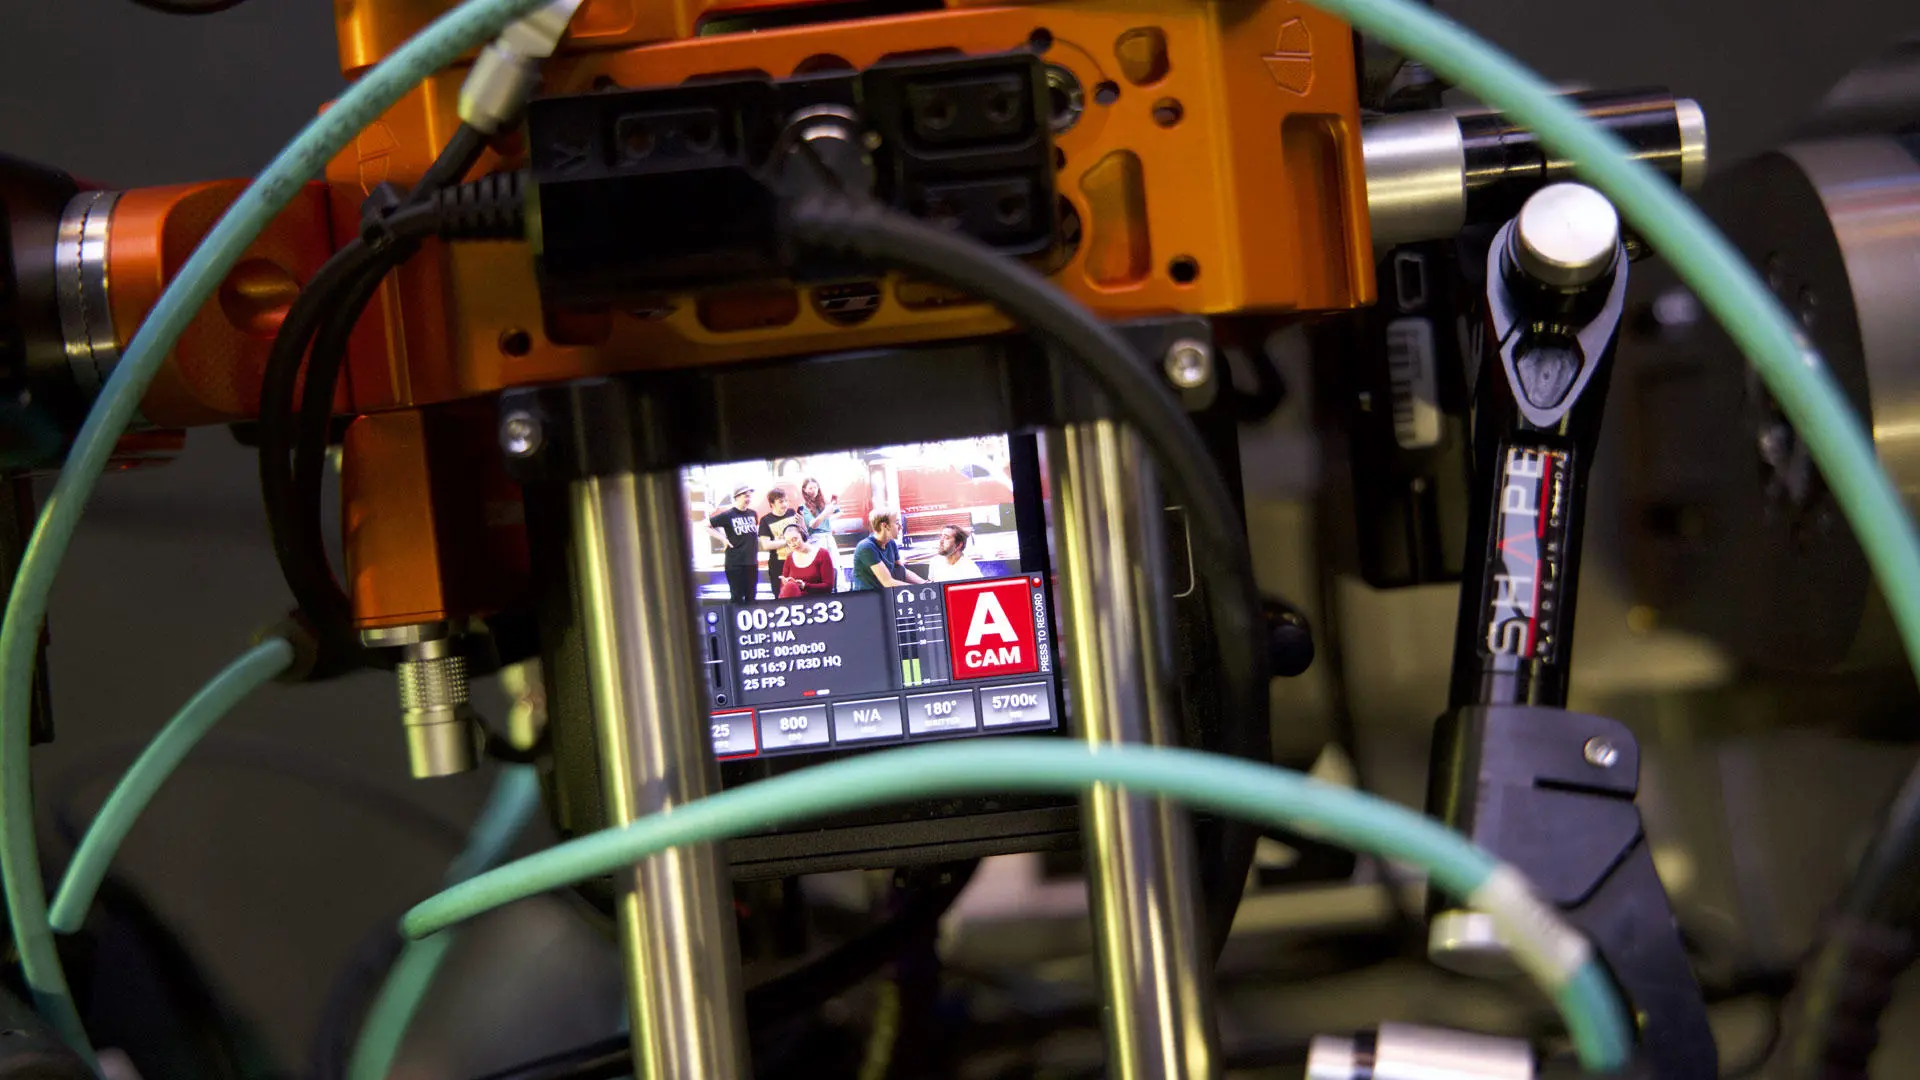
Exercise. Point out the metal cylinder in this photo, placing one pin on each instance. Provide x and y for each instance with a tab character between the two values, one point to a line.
1416	177
1566	236
1110	554
1411	1052
1870	190
1431	174
443	736
435	708
1733	534
80	273
675	911
1467	942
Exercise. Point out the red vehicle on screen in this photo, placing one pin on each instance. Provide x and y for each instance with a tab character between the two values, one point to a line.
930	497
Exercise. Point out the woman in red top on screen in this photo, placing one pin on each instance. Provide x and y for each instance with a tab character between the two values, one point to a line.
809	566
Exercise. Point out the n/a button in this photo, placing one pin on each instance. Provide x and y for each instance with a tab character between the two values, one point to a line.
866	721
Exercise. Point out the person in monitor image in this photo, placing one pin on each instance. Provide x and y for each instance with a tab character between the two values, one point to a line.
876	559
953	563
809	566
773	524
739	528
817	510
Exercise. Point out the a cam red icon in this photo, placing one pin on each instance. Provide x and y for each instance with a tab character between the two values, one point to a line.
990	629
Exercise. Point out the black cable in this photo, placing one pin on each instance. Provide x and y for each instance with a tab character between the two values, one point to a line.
320	597
328	358
454	162
1833	1019
393	228
869	231
794	992
489	208
314	423
189	7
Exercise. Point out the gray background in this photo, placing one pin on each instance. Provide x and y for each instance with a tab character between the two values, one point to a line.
271	881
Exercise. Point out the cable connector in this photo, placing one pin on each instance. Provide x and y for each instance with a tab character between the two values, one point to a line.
493	207
507	71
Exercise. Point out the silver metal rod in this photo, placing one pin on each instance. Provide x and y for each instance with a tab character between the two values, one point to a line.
1110	555
675	909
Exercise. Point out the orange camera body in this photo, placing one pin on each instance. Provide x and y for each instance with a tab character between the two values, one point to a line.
1210	154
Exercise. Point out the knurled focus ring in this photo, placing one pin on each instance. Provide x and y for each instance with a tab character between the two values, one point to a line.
81	286
437	685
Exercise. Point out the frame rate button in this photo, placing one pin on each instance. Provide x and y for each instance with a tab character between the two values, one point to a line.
1006	706
943	713
733	734
867	721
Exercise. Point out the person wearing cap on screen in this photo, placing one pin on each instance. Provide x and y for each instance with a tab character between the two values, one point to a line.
739	528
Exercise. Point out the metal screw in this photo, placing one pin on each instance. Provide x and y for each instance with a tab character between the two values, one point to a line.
1599	751
520	434
1189	363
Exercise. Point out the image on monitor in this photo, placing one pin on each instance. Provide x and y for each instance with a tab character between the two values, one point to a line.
870	596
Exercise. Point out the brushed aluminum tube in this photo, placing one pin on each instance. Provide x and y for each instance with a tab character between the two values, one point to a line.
1110	555
675	910
1416	177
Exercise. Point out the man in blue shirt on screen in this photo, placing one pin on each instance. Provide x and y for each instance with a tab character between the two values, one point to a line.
876	559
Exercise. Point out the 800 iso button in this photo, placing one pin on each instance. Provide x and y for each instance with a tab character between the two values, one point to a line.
793	727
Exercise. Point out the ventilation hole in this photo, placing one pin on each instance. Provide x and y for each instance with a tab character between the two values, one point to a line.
1184	270
1142	53
1040	40
1167	112
1106	93
1117	248
516	342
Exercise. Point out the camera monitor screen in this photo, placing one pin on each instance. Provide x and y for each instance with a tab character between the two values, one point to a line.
868	597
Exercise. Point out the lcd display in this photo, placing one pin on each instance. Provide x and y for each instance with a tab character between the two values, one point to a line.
872	596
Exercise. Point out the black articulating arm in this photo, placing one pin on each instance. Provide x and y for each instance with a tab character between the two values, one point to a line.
1547	790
